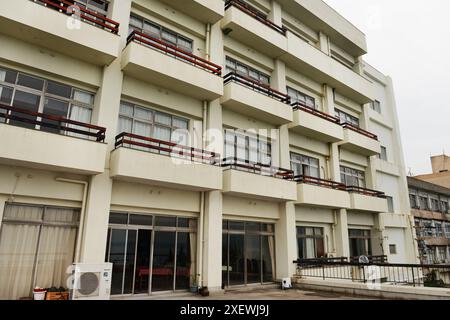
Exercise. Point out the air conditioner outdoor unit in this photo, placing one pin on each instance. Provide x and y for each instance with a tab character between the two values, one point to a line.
91	281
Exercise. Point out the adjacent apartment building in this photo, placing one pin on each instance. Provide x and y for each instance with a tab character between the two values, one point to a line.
195	142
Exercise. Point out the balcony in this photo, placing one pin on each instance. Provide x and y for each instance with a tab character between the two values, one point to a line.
317	192
52	143
207	11
255	99
155	162
315	124
259	181
251	27
46	24
310	61
360	141
155	61
362	199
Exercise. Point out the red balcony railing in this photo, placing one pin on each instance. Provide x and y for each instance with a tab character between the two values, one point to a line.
360	131
166	148
320	182
257	168
366	192
173	51
255	13
257	86
71	8
303	107
50	123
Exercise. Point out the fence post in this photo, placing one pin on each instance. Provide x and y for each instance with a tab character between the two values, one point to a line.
323	272
414	280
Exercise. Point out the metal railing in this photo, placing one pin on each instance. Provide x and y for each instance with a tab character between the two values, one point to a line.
71	8
257	86
174	51
50	123
375	272
323	115
352	127
257	168
255	13
320	182
366	192
133	141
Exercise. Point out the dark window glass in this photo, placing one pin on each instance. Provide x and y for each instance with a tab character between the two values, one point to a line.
253	258
129	262
143	220
166	221
8	76
117	258
186	244
142	273
5	95
236	225
252	226
59	89
55	108
236	259
225	263
26	101
268	257
163	261
30	82
118	218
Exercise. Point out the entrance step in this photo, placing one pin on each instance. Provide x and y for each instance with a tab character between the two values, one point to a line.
253	288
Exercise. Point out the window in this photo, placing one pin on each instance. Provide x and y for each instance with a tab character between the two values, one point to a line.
233	65
447	229
161	33
413	201
428	230
353	177
304	165
303	99
390	202
376	106
153	124
44	96
347	118
438	229
310	242
360	243
444	206
435	205
383	154
441	254
392	249
423	203
247	147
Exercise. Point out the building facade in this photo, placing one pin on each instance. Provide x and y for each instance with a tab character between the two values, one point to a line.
440	171
192	142
430	208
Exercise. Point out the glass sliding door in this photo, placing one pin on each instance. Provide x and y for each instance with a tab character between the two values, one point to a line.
163	261
248	253
151	254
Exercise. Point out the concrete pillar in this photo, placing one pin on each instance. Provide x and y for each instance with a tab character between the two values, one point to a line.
334	163
217	55
93	246
324	43
341	229
328	99
284	151
275	14
106	114
278	79
286	241
379	239
212	245
280	148
359	66
371	174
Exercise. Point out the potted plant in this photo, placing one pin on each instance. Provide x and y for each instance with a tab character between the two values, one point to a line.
194	285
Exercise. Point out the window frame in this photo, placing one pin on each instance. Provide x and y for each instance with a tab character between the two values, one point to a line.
262	144
354	175
305	163
261	75
298	96
345	117
316	234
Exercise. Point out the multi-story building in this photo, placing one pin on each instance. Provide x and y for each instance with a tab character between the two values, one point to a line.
440	171
430	208
192	142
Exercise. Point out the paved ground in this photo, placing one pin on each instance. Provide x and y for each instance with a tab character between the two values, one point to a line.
269	293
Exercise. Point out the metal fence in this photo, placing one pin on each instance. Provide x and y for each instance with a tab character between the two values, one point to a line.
375	271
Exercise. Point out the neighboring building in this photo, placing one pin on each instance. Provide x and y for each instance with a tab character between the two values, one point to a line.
441	171
152	134
430	207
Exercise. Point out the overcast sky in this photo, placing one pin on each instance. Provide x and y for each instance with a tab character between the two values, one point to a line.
410	41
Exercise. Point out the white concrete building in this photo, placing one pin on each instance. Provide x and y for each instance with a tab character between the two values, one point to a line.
152	133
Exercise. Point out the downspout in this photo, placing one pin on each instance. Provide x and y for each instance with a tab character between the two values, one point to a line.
202	194
333	231
83	213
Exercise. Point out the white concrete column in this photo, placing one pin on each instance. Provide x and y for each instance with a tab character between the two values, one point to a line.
280	148
286	242
371	174
379	244
284	150
214	134
106	114
217	55
275	14
212	245
334	163
359	66
93	246
324	43
342	243
328	99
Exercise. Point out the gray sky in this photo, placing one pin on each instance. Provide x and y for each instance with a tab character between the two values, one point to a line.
409	40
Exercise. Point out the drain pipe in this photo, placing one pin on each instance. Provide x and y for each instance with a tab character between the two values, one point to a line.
85	185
